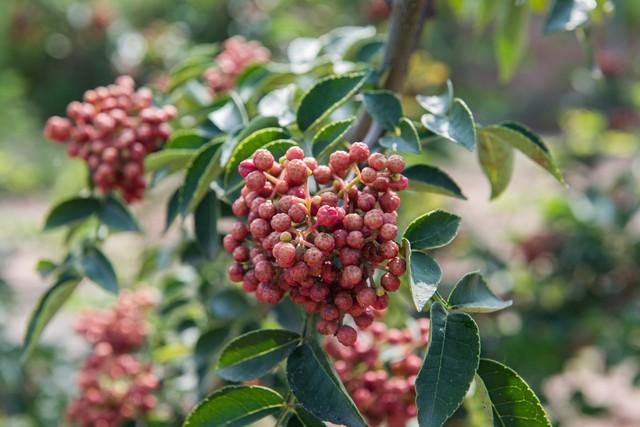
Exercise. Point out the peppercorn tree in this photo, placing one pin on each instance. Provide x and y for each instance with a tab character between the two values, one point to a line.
310	159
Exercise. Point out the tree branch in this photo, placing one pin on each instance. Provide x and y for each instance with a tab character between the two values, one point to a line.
405	28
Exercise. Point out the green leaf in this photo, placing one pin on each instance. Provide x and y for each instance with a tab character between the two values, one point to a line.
301	418
117	216
496	159
254	354
198	60
432	230
202	170
205	221
457	126
514	404
45	267
477	403
245	149
449	366
235	406
173	206
173	159
511	38
229	304
328	137
472	294
406	141
326	96
71	211
185	139
568	15
384	106
48	305
528	143
437	104
430	179
278	103
97	267
424	276
315	384
230	116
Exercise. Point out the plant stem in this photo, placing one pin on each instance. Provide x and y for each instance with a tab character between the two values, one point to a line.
405	28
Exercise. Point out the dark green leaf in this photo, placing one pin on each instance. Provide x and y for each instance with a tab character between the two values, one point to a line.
245	149
229	304
117	216
71	211
496	159
472	294
406	141
568	15
432	230
327	138
528	143
257	123
430	179
278	103
254	354
173	159
205	220
202	170
437	104
514	404
302	418
97	267
511	37
326	96
186	139
48	305
449	366
457	126
173	206
315	384
424	276
231	116
384	106
235	406
288	315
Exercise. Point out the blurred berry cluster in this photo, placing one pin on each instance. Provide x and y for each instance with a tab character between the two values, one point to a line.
115	385
380	371
328	241
236	55
113	129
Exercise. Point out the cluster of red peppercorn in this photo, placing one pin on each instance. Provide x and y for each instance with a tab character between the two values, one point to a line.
113	130
236	55
334	251
382	387
115	385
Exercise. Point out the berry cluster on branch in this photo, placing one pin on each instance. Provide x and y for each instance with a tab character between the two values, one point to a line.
113	129
329	242
115	385
380	371
236	55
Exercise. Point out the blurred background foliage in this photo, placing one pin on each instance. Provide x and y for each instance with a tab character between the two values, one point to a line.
571	261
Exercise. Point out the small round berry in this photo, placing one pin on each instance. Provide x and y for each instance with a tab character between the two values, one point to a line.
347	335
390	282
329	199
256	180
268	293
246	167
267	210
395	163
324	242
355	239
351	275
311	163
229	243
313	257
299	272
241	254
352	221
319	292
402	183
389	201
58	129
297	172
239	207
388	231
343	300
364	321
281	222
389	249
340	237
377	161
294	153
358	152
339	162
329	312
284	253
349	256
322	174
368	175
259	228
327	216
239	231
374	219
366	297
263	159
397	266
382	302
381	184
235	272
263	271
327	327
297	213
